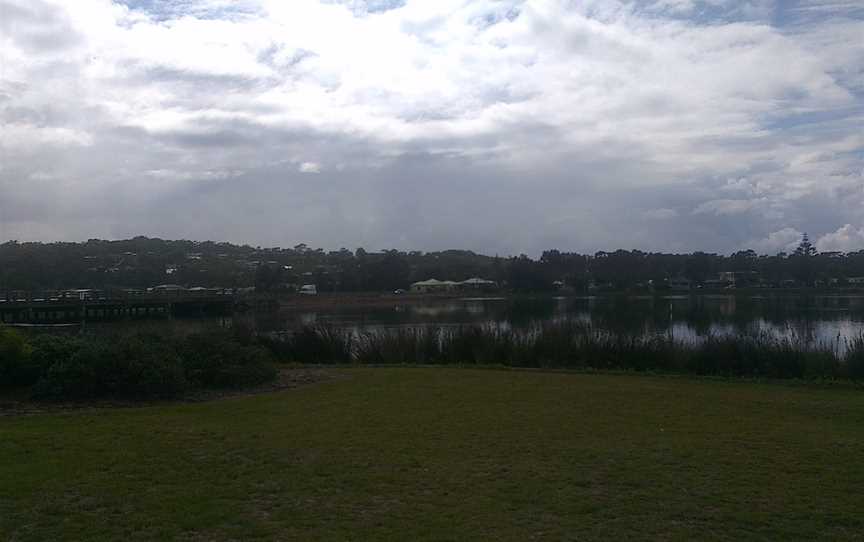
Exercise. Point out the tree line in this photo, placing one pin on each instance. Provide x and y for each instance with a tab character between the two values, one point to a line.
144	262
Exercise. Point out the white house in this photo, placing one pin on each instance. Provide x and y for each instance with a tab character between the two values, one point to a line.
478	284
308	289
434	286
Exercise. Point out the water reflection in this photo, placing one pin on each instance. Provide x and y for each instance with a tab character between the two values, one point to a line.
829	319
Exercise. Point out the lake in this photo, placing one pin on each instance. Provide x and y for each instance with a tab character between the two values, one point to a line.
820	318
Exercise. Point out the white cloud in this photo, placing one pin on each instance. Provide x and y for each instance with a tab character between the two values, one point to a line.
845	239
309	167
785	240
554	99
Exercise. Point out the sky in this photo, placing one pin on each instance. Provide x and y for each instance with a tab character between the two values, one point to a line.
499	126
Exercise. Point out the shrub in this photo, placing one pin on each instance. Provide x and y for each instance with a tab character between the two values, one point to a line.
47	350
146	367
15	354
213	360
136	367
81	376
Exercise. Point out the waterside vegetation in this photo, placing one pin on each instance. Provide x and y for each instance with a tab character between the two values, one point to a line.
151	366
577	345
137	366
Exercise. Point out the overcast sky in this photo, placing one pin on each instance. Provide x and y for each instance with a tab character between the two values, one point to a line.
501	126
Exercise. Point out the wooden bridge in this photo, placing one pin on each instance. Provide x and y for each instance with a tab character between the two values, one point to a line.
59	310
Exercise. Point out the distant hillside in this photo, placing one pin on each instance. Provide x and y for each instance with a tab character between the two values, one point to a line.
145	262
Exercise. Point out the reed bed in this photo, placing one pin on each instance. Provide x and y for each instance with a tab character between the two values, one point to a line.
577	345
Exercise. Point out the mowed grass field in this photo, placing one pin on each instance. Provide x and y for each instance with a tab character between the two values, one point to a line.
448	454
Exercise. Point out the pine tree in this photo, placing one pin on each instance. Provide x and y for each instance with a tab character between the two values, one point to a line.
805	248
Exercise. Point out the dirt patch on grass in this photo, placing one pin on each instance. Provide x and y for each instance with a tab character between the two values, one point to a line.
19	404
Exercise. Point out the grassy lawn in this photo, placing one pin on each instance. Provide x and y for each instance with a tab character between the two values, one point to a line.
447	454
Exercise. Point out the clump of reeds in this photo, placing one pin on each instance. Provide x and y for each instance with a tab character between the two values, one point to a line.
854	359
313	344
573	344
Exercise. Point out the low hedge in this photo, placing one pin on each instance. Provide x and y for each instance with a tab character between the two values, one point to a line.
139	366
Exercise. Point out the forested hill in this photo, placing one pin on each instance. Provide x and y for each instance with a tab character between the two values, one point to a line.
144	262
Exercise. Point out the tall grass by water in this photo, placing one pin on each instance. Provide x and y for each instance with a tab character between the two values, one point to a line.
578	345
147	366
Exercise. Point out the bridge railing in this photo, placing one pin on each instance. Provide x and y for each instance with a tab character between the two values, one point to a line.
107	295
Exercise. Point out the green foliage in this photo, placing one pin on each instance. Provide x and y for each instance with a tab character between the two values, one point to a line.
141	262
137	367
405	346
146	367
48	349
314	344
571	344
214	360
80	376
15	354
855	358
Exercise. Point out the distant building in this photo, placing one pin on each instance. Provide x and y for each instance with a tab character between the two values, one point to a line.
680	284
201	290
855	280
308	289
81	293
433	286
476	284
739	279
167	288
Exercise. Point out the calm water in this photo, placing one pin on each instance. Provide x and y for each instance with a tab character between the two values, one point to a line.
829	319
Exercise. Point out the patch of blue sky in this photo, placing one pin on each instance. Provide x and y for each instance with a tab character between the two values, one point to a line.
813	119
363	7
806	12
162	10
778	13
705	12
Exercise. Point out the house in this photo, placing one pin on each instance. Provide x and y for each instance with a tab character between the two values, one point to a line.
680	284
82	294
476	284
308	289
433	286
167	289
739	279
201	290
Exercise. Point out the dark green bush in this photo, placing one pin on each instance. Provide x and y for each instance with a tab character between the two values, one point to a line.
135	367
49	349
81	376
214	360
146	367
15	352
